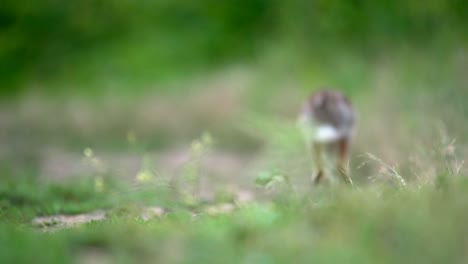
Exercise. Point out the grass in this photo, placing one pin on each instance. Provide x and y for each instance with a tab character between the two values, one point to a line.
410	204
369	225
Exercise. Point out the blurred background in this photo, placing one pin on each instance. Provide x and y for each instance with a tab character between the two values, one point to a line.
130	78
184	112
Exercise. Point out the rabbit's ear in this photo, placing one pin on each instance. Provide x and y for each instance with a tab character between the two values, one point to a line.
318	100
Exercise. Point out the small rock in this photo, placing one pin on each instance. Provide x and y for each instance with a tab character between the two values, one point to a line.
223	208
152	212
65	221
243	197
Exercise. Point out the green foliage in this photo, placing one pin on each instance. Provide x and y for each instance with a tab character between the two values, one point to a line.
366	226
121	43
31	247
21	199
43	40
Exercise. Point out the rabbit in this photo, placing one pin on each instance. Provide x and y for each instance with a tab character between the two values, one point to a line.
327	120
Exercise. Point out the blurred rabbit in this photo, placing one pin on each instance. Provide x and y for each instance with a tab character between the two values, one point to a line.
327	119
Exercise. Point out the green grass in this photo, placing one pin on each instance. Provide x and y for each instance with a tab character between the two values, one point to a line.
332	225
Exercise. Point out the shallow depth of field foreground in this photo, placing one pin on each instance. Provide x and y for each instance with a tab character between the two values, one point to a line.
167	132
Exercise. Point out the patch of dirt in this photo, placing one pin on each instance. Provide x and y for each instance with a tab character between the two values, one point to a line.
58	222
151	212
61	221
217	169
55	222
